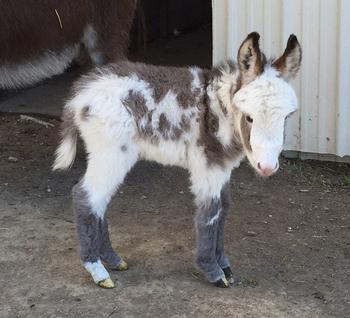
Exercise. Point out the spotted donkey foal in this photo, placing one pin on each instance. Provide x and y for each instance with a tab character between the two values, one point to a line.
203	120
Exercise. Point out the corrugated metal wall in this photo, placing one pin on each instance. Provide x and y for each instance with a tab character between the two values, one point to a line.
322	124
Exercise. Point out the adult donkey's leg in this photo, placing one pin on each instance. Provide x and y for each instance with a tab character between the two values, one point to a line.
222	259
106	169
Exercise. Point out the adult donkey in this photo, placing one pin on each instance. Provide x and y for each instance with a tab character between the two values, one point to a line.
40	39
203	120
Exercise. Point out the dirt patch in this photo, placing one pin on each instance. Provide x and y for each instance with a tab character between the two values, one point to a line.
288	238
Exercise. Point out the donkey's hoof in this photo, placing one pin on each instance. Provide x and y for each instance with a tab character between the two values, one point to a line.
222	283
106	283
122	266
228	274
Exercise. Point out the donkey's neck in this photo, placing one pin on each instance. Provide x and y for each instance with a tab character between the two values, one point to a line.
218	136
223	82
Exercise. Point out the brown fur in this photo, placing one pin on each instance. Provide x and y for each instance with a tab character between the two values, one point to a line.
250	59
289	63
215	152
135	103
246	129
164	124
30	27
85	113
161	79
112	21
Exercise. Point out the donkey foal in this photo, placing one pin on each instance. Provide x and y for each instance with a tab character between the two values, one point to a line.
203	120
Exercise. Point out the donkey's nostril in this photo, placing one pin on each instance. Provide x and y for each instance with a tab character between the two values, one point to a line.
266	169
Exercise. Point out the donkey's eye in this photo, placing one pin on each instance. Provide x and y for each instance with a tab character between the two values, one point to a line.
249	119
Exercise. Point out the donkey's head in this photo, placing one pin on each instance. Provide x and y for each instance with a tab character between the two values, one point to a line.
264	101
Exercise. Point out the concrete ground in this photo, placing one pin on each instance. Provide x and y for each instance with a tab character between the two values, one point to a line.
288	237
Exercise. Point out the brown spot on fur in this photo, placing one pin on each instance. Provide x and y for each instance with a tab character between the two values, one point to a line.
185	123
173	132
135	103
222	106
164	126
246	130
293	53
250	59
85	113
215	152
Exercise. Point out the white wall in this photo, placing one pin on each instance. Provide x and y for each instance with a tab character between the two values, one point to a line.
322	125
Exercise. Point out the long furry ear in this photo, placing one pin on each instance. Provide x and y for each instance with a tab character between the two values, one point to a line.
250	59
289	63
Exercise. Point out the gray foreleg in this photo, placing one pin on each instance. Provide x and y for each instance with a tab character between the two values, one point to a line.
222	259
207	228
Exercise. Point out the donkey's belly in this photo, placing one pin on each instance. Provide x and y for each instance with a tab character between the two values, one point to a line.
29	72
164	152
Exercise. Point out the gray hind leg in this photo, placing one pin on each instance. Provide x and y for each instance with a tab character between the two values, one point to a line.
107	254
207	228
106	170
222	259
87	226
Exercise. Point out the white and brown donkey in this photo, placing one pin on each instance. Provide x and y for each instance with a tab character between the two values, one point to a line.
203	120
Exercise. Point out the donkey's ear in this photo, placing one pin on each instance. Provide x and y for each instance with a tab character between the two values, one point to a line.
289	63
250	59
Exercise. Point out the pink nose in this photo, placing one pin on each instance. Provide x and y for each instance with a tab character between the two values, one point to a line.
267	170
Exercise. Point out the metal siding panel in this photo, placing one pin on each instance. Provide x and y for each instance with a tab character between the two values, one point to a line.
271	36
220	39
343	100
323	85
309	99
236	25
255	11
327	78
292	23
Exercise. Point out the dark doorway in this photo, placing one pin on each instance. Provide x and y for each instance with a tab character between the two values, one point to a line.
173	32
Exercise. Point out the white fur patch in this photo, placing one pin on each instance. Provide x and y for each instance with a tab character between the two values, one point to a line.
214	218
26	73
106	130
268	100
97	271
65	154
207	182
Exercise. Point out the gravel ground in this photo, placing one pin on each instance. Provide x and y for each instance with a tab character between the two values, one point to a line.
288	238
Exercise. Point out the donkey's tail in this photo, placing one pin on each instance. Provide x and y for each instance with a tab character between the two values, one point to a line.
65	153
